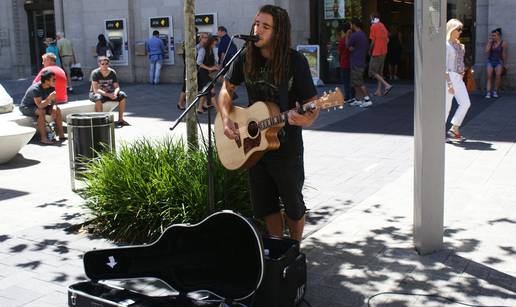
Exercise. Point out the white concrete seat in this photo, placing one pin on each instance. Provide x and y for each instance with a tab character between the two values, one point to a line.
82	106
6	101
78	106
12	138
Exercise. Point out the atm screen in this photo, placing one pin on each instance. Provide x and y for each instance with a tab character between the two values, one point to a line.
118	44
164	38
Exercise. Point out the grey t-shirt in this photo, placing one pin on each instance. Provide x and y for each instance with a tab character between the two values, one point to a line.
35	90
105	82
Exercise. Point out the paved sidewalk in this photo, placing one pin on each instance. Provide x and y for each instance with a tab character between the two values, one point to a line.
359	171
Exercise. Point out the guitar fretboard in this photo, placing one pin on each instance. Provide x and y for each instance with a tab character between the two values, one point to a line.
282	117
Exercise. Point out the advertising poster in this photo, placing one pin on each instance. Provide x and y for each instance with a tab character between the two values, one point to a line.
311	52
334	9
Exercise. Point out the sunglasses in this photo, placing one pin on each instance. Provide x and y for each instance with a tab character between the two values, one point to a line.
104	63
459	29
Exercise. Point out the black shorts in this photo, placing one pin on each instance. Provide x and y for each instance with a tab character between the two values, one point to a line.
94	97
32	111
272	179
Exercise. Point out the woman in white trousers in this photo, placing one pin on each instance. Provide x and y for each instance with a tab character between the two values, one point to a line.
454	74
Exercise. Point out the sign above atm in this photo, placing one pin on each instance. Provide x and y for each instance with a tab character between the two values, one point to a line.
114	24
204	20
161	22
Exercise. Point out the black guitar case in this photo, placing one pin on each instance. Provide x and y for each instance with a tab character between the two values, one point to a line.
223	256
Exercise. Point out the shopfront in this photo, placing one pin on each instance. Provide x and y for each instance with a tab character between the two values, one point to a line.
328	17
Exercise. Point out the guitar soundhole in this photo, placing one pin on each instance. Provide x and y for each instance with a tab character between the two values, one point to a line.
252	129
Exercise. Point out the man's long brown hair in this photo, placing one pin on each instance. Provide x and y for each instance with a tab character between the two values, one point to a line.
280	46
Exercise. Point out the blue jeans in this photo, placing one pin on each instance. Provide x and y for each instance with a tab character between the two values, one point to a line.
349	92
156	61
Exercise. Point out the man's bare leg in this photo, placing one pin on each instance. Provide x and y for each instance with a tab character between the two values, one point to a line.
121	110
59	124
98	106
274	224
296	228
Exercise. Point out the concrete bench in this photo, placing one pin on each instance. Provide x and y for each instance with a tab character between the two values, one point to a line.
12	138
83	106
79	106
16	129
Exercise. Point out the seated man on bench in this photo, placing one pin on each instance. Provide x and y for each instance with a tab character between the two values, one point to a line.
105	87
38	101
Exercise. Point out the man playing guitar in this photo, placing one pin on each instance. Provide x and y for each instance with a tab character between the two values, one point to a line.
274	72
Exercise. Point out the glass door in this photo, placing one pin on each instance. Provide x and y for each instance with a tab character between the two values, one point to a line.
41	26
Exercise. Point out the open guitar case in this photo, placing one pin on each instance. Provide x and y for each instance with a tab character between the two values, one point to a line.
221	260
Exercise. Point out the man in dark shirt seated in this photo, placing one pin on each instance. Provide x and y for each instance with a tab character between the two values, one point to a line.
105	87
38	101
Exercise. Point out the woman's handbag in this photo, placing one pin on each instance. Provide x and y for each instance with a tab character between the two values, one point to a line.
469	80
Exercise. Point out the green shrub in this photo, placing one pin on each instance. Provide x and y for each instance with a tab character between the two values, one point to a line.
146	186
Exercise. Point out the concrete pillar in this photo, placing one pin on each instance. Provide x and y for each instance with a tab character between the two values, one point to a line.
59	16
429	62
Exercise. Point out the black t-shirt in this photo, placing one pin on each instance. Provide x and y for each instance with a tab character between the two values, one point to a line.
105	83
300	88
34	91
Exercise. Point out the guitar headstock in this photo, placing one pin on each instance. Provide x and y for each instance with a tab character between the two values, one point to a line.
332	99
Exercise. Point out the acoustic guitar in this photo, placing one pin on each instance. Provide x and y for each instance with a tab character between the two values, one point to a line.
258	127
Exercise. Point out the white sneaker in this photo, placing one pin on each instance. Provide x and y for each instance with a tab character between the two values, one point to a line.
495	94
488	95
356	103
366	104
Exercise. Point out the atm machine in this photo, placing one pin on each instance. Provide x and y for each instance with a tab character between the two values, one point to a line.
166	33
116	35
207	23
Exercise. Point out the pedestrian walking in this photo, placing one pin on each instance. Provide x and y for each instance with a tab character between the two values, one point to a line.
394	51
52	48
67	54
357	46
378	50
156	50
225	50
349	92
454	79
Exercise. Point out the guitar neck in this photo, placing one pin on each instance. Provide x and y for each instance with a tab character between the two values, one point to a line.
283	117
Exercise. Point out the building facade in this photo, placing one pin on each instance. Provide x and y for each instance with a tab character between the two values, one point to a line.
24	24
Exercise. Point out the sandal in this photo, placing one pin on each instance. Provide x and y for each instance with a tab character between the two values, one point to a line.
47	142
180	107
122	123
452	135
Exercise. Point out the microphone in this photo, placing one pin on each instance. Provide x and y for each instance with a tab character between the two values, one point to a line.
248	38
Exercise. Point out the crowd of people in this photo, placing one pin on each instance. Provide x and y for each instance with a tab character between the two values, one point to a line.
357	52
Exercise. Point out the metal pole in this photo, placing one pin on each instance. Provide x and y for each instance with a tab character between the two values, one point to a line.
429	126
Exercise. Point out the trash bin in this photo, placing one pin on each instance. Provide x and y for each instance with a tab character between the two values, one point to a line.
88	135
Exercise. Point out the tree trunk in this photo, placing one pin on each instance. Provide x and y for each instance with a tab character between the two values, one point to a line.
191	73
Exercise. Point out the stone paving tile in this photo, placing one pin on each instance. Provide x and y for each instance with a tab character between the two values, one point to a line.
361	197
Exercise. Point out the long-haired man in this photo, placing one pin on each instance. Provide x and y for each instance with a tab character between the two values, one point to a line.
274	72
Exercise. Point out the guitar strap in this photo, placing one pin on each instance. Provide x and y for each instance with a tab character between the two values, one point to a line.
283	88
283	101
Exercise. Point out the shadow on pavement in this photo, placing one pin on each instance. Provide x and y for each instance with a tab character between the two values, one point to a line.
348	272
18	162
8	194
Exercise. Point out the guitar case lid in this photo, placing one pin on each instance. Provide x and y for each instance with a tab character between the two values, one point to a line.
222	254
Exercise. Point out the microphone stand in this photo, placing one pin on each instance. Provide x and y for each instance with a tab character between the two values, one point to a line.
205	91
